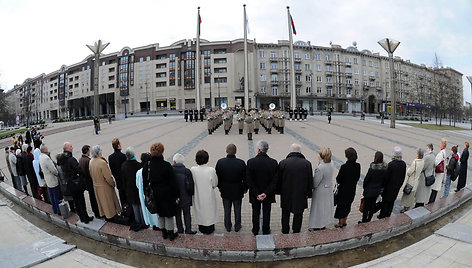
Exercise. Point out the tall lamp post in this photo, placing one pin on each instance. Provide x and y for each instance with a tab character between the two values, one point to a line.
390	46
211	106
470	81
97	49
311	93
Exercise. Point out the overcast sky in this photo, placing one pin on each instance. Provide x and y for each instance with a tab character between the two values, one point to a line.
39	36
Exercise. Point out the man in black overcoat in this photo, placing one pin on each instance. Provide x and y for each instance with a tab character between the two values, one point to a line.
128	177
463	168
186	187
261	175
395	177
115	160
231	172
295	185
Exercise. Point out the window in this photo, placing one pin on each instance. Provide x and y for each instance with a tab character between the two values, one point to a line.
161	66
221	80
297	66
370	63
307	56
220	61
329	92
328	79
318	67
275	91
261	54
371	73
274	78
371	83
355	60
365	73
348	70
110	70
307	67
263	90
161	57
172	56
262	66
308	78
273	54
386	65
161	75
263	77
161	84
148	58
141	59
356	71
148	67
318	90
328	68
111	77
317	56
366	83
308	90
296	55
298	78
377	74
363	63
327	57
220	70
386	75
377	84
273	66
348	91
206	53
356	81
376	64
347	59
220	51
318	79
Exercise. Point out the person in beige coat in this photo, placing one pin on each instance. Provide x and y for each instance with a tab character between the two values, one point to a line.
440	157
104	185
414	173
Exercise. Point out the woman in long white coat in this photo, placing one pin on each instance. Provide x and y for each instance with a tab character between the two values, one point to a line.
204	199
440	157
414	173
322	201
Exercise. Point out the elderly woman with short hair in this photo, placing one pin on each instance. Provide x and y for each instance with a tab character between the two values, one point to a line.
414	175
440	170
204	199
161	175
104	186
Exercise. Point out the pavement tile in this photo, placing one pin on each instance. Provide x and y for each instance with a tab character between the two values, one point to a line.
456	231
265	242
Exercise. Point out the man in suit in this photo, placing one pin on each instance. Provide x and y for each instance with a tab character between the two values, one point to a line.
261	175
231	172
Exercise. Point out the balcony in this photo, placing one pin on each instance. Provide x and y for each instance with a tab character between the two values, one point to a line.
347	63
298	59
274	82
298	70
329	73
349	74
274	59
349	85
328	62
378	88
366	87
371	77
329	84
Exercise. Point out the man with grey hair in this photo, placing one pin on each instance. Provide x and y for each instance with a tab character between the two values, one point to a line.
84	163
51	176
128	177
261	175
231	172
185	184
295	185
394	179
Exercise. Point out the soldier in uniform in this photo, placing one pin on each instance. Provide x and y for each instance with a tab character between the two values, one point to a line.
291	114
210	123
281	122
202	113
228	121
241	122
186	115
295	114
305	113
249	120
195	115
270	122
256	122
190	114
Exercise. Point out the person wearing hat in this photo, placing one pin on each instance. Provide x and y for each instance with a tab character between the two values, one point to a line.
396	171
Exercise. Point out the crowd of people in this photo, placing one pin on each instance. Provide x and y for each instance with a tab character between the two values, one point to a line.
152	192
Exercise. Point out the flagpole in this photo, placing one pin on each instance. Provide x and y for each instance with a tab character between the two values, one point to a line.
197	64
246	71
293	100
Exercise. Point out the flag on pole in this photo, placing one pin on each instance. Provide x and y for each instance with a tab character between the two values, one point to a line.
199	22
293	25
247	25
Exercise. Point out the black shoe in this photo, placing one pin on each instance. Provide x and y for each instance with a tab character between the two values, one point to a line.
191	232
172	235
180	231
165	234
155	228
228	230
236	229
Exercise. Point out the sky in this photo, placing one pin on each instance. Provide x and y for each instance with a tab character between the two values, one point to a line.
40	36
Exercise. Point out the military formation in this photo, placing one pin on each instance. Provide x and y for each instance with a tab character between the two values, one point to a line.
249	122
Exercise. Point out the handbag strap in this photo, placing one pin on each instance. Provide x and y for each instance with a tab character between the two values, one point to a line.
149	172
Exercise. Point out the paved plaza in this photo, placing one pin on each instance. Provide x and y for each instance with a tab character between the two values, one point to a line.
187	138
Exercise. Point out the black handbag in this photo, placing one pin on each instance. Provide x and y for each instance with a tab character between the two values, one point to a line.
149	199
429	180
335	193
407	189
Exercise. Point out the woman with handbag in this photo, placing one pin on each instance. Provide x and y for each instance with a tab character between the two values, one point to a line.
149	218
414	172
451	170
373	182
440	166
347	178
423	192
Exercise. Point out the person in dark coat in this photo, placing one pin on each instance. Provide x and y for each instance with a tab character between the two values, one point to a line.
30	173
195	115
165	189
231	172
261	175
185	184
373	181
190	115
396	172
115	161
463	168
202	113
295	185
186	115
21	168
84	162
28	138
75	181
451	170
128	176
347	179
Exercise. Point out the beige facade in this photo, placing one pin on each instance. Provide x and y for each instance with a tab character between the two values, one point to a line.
163	78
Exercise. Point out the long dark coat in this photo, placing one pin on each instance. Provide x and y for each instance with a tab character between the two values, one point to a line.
115	160
295	182
31	175
347	179
84	163
20	164
395	177
128	176
261	175
181	175
463	168
374	179
231	172
163	184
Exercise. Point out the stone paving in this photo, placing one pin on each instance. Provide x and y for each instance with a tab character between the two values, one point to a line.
187	138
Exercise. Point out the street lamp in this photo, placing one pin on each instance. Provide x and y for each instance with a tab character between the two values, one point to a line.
470	81
210	91
390	46
97	49
311	95
219	95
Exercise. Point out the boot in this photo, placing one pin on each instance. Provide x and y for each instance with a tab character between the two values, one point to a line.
256	131
249	136
172	235
209	132
164	234
281	130
269	131
240	132
226	132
